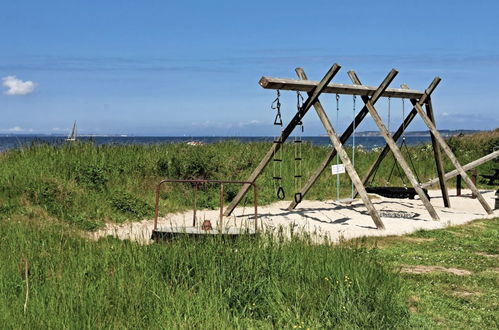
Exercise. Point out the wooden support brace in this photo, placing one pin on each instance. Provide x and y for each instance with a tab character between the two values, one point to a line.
344	158
395	149
344	138
466	167
398	133
313	97
453	159
438	156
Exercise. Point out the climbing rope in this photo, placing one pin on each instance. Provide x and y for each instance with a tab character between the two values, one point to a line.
298	151
277	177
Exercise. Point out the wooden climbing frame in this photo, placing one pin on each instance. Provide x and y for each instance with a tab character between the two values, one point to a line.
369	95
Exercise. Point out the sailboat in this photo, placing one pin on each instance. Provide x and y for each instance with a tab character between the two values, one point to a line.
72	136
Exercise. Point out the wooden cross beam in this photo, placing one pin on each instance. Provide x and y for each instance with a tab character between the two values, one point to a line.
395	149
343	139
313	97
344	158
309	85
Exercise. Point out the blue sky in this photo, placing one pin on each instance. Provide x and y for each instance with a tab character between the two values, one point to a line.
192	67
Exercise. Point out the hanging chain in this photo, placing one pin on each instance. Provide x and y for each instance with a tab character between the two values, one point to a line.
337	157
403	120
276	105
389	113
353	140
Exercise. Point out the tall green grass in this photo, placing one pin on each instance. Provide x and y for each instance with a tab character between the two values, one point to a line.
86	185
247	283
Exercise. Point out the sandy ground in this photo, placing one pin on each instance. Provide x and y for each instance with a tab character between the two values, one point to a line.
326	220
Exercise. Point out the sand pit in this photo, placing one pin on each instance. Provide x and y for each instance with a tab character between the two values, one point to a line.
326	220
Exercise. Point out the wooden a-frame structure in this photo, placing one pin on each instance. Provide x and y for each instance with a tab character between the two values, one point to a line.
370	95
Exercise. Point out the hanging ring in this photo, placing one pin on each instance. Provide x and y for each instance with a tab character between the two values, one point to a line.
298	198
280	193
278	119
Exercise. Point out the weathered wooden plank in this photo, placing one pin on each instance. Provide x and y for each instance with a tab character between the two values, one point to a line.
453	159
398	133
345	159
395	150
438	156
344	138
334	88
467	167
314	95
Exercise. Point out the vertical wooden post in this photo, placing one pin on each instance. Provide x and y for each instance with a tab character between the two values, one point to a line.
438	156
284	135
458	185
453	158
395	149
344	158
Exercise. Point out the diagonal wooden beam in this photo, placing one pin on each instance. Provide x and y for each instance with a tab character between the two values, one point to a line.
395	150
378	92
344	158
407	120
452	158
466	167
313	97
438	156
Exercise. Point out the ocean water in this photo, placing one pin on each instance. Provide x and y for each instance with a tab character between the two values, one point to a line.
367	142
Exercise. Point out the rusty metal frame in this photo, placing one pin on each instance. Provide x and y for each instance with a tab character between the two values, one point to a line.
196	184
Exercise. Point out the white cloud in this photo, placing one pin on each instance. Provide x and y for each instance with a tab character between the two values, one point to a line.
15	129
16	86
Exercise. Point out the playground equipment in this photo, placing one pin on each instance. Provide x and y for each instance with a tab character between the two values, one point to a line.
391	191
206	228
369	95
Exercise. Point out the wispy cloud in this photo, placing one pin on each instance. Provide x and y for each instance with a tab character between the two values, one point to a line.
16	86
16	129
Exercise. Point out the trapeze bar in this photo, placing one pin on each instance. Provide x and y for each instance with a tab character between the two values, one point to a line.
361	90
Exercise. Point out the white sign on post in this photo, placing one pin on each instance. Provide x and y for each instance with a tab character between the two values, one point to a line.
337	169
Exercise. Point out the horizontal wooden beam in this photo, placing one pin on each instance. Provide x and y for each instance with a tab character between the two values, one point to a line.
334	88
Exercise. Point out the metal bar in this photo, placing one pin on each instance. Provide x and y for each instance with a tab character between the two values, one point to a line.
466	167
334	88
255	203
194	205
345	159
196	184
438	156
284	135
221	218
395	149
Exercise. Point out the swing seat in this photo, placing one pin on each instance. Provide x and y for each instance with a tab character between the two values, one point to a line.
395	192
